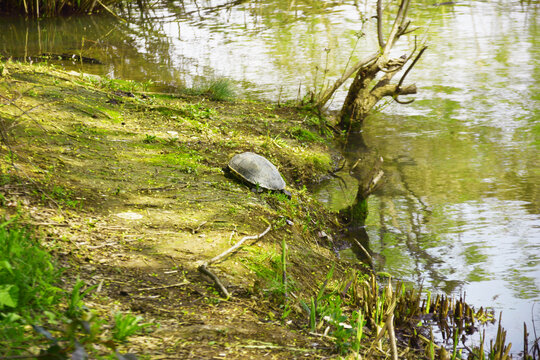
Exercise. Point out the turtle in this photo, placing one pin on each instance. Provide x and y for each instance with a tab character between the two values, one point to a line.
256	170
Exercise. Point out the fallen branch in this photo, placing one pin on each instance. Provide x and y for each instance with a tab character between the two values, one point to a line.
203	268
237	245
222	289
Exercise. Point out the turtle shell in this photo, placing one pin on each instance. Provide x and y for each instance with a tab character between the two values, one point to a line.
256	170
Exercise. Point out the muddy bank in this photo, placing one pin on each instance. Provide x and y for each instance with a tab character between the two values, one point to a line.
129	193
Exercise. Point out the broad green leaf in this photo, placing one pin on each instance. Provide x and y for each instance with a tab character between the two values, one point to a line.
8	295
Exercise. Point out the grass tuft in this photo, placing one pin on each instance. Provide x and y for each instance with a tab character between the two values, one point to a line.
221	90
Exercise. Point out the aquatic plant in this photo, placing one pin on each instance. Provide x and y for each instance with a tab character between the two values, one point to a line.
364	318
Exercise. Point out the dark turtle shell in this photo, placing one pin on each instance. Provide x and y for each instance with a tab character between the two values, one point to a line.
256	170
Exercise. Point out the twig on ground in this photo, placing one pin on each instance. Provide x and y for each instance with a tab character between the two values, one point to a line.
185	282
203	267
233	248
222	289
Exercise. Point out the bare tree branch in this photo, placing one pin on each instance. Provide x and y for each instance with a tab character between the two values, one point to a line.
403	102
399	28
412	64
403	29
394	33
379	24
393	90
346	75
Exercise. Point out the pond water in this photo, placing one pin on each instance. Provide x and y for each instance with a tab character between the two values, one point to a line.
460	207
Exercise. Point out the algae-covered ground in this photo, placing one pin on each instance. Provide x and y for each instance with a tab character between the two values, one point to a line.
126	188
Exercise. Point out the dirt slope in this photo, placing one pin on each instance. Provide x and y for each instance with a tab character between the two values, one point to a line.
128	192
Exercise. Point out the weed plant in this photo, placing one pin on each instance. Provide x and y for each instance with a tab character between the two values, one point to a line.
126	325
197	111
28	281
27	273
303	135
127	87
271	270
63	196
38	315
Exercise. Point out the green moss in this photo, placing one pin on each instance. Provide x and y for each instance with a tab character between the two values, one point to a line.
321	161
170	111
114	115
185	162
88	130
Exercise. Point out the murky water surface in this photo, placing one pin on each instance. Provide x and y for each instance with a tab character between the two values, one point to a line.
460	209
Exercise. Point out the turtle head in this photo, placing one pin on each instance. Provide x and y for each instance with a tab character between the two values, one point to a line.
287	193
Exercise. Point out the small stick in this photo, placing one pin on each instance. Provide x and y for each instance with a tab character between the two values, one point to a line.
284	267
100	286
237	245
204	269
165	286
364	250
110	11
193	231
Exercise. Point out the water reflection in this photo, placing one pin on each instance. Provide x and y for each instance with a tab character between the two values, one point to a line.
114	44
460	210
271	48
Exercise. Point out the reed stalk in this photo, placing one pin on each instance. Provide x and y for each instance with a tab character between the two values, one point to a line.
50	8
